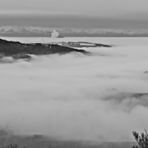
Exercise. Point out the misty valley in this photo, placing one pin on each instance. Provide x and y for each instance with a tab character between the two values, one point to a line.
72	91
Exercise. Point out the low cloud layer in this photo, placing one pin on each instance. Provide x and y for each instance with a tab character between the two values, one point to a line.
98	98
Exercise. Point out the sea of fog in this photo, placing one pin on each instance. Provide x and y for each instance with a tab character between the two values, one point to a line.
75	96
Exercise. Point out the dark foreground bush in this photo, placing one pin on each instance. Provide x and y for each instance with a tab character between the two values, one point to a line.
141	139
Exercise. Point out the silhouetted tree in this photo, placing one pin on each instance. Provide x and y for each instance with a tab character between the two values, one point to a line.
141	139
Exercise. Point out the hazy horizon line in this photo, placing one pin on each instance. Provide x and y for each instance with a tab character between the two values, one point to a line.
120	16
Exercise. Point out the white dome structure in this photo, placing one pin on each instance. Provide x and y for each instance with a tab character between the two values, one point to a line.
55	34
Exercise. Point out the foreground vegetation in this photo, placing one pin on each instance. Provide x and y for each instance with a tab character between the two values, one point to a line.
141	139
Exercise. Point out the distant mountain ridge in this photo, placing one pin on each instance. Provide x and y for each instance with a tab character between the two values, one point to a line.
18	50
34	31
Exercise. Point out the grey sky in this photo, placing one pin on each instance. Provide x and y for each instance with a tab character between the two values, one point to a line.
103	8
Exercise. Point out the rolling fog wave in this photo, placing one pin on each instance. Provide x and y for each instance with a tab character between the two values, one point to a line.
77	97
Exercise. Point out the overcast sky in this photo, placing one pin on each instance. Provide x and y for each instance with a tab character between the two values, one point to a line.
103	8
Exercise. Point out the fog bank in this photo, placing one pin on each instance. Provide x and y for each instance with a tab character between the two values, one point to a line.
78	97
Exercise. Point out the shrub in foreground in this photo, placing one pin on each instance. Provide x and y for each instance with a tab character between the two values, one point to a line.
141	139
